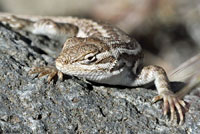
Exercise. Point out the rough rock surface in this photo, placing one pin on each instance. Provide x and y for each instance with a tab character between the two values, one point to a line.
31	105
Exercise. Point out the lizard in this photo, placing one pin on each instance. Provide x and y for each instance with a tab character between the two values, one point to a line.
98	52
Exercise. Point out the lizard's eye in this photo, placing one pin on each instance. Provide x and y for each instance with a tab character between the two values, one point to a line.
90	58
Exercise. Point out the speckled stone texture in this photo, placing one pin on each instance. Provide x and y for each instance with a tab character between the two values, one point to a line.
31	105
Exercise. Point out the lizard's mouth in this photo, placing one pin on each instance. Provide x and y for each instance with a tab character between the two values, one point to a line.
92	73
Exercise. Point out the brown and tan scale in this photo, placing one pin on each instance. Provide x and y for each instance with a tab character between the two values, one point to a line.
98	52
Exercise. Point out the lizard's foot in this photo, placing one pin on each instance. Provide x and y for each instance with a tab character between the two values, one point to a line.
50	71
14	21
171	101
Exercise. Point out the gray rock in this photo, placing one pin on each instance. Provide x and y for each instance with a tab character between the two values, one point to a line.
31	105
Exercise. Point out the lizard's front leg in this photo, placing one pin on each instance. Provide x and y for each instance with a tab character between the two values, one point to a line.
50	71
158	75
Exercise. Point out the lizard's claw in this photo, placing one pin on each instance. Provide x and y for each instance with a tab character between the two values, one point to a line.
171	101
50	71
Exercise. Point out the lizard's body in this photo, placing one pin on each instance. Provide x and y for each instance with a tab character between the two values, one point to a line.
98	52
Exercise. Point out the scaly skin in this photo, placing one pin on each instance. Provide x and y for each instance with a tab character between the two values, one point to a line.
98	52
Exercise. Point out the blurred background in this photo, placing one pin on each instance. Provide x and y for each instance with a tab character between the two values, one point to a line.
168	30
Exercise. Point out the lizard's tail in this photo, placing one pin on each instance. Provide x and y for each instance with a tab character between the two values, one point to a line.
60	19
188	72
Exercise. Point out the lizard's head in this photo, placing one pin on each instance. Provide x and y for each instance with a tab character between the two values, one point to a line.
89	58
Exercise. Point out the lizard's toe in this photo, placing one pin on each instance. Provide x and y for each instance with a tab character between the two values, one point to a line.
50	71
172	104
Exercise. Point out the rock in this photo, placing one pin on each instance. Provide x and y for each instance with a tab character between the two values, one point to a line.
31	105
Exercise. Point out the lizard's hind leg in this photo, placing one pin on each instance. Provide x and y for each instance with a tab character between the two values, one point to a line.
45	26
